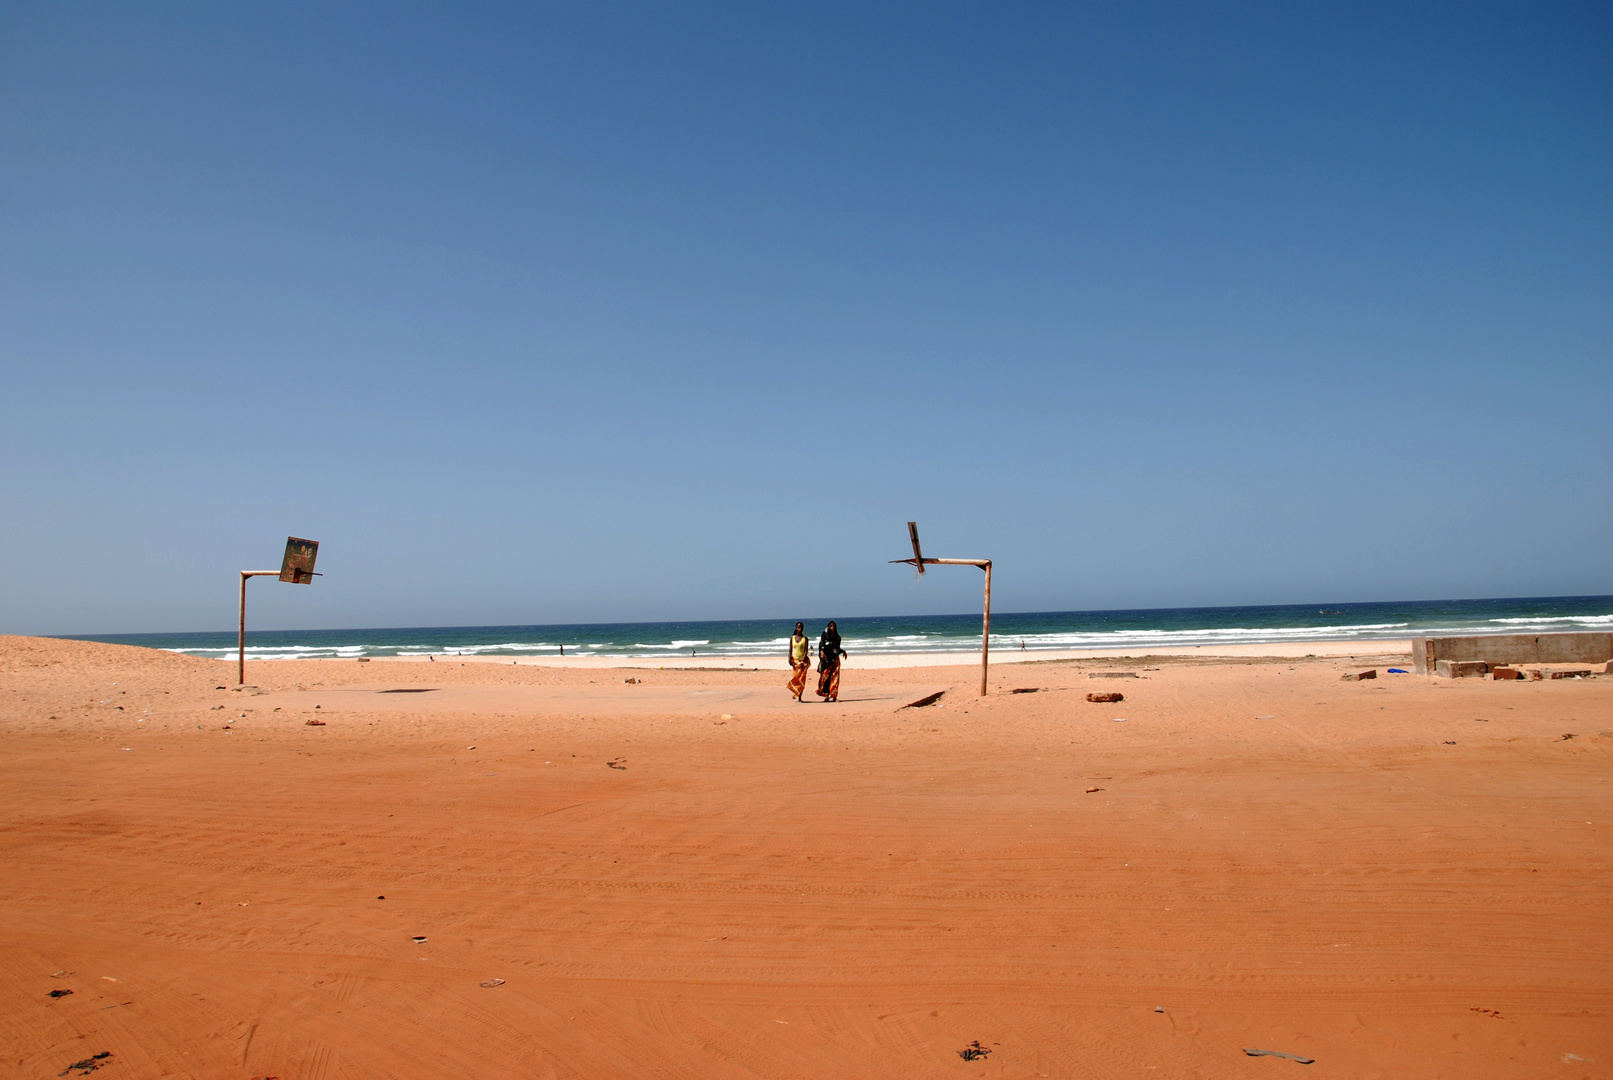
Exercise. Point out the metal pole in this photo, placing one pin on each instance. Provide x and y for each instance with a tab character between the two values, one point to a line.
985	634
920	562
240	633
985	629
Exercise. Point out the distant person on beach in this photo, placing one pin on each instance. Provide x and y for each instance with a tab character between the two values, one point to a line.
800	660
829	654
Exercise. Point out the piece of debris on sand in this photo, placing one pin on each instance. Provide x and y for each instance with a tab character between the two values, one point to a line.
88	1065
974	1051
1279	1053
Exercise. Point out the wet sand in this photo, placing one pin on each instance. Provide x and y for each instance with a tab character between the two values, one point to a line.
1400	877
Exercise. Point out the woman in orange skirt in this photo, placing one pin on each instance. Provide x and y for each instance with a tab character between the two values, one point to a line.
800	660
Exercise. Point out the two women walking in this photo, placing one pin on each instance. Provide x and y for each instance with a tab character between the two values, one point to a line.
829	654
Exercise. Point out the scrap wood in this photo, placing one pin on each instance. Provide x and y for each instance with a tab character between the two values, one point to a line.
1279	1053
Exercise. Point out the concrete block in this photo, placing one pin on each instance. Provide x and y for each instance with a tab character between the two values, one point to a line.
1503	673
1460	669
1354	676
1578	673
1511	649
1569	648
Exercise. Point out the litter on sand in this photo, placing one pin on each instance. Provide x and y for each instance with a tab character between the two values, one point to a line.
88	1065
1090	790
314	723
1279	1053
974	1051
619	763
1398	671
490	983
60	974
1120	719
418	940
59	993
1111	696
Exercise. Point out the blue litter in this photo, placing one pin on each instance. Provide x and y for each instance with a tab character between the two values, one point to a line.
1398	671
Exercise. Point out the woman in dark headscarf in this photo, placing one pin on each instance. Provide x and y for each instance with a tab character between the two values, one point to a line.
829	654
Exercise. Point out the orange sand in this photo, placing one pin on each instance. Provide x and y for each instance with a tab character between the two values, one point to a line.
1399	877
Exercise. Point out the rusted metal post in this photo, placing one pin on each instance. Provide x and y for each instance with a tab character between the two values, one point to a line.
919	562
985	627
985	633
240	633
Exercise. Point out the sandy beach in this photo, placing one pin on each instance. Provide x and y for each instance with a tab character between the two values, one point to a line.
534	869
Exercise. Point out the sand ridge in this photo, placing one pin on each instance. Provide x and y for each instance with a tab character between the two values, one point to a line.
1400	877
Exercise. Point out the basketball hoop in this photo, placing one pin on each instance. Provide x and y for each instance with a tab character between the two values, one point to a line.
918	562
297	567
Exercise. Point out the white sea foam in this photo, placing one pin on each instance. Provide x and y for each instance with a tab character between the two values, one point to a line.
1124	638
957	637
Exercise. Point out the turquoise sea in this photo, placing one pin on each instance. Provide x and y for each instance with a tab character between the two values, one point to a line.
1136	632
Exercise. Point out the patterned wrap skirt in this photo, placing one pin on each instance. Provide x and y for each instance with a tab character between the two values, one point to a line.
829	678
798	677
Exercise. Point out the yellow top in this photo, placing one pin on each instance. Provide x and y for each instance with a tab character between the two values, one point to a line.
798	648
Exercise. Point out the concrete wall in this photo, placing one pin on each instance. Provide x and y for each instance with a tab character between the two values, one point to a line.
1512	649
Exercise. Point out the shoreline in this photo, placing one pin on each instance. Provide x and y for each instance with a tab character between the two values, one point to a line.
1285	649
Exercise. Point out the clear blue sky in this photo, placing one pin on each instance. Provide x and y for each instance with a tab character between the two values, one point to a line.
611	311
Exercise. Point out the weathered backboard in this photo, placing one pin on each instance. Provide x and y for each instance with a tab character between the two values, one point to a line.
298	565
913	534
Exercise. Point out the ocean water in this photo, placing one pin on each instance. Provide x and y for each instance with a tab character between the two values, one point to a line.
1136	632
